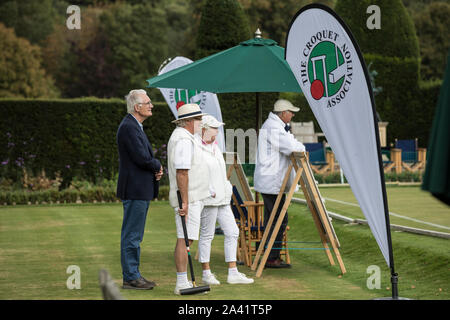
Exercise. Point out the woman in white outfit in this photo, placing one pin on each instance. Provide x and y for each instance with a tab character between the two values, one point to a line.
217	208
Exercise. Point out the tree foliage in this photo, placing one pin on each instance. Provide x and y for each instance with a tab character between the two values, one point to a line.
223	25
122	42
273	17
136	36
21	72
180	24
118	47
75	58
31	19
396	38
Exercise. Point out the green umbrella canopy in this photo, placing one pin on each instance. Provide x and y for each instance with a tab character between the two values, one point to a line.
255	65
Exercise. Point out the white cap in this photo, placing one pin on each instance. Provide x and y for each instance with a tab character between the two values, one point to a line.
209	121
283	105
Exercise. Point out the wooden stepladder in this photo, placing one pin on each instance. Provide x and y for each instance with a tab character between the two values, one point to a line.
304	175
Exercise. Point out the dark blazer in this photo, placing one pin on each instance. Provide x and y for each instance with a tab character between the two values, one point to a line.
137	165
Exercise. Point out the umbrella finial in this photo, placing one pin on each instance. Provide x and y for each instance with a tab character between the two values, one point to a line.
258	33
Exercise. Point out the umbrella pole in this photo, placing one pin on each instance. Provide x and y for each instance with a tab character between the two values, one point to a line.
258	125
258	113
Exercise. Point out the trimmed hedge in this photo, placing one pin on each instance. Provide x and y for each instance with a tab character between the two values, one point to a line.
399	79
53	196
239	109
425	109
389	177
333	178
77	137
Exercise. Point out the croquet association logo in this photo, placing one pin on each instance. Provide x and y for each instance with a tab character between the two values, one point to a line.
326	67
178	96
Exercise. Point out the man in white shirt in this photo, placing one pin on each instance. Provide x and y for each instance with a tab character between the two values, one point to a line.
187	174
275	145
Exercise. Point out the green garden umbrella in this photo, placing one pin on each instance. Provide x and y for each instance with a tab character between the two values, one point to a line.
256	65
437	172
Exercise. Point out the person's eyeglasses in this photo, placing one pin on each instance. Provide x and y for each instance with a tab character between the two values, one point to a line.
146	104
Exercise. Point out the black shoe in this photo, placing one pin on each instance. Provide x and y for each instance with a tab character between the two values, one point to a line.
138	284
277	263
152	283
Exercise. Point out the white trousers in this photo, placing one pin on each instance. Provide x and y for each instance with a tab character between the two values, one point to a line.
224	216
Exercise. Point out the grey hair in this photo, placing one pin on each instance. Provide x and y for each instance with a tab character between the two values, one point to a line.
182	123
278	113
133	98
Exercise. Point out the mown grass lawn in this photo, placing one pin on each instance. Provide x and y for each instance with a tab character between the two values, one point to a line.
38	243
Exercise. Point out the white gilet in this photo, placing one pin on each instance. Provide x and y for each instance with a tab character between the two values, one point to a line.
219	186
198	188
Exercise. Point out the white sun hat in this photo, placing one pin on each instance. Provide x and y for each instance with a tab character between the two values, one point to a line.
209	121
284	105
189	110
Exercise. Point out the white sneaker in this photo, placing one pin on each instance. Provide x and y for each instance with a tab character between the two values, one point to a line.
210	279
239	278
181	286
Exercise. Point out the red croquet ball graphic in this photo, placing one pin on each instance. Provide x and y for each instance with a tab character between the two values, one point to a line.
317	89
179	104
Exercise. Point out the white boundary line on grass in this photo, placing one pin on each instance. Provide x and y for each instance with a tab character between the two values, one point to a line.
393	226
392	214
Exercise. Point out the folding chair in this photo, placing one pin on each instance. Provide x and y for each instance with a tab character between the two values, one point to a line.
413	158
317	157
250	219
248	213
409	149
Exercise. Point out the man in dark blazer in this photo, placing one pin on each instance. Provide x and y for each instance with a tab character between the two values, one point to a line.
139	175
